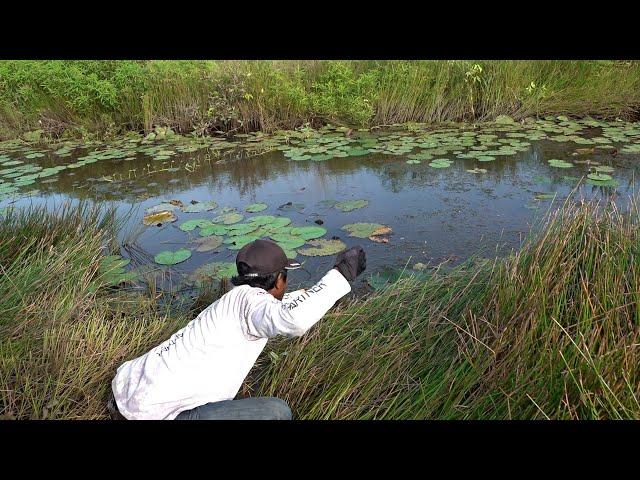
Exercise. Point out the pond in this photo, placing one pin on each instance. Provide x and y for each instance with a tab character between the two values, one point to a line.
413	196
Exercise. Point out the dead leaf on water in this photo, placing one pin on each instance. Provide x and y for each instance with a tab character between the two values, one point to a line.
159	217
207	244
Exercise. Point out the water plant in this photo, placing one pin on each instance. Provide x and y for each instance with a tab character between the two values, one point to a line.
168	257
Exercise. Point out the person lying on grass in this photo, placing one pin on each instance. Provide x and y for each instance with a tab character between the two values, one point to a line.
196	374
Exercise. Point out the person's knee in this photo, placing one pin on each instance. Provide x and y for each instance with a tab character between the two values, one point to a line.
280	409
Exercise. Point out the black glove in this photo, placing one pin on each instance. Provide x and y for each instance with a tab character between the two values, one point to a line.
351	263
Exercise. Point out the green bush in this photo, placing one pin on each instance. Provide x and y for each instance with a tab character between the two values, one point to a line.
204	96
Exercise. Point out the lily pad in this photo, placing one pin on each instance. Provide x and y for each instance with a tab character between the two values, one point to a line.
207	244
440	163
213	230
200	207
288	242
241	229
599	177
112	272
545	196
172	258
350	205
256	207
364	230
215	270
308	233
262	219
190	225
236	243
162	207
228	218
159	217
560	164
322	247
291	206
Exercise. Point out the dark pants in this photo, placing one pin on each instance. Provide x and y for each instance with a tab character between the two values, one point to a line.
252	408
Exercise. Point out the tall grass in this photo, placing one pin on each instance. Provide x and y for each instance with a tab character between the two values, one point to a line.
107	97
62	334
549	332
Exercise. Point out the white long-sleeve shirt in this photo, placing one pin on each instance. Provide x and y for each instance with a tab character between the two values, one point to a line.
208	360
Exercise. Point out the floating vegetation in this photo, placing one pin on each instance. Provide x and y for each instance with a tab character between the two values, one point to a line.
236	243
323	247
256	207
241	229
22	165
158	218
199	207
210	271
599	177
365	230
545	196
228	218
213	230
603	183
288	242
440	163
207	244
172	258
111	271
190	225
308	233
160	208
350	205
542	179
560	164
291	206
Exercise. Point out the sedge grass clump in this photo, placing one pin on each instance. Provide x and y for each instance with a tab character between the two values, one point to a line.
550	332
62	332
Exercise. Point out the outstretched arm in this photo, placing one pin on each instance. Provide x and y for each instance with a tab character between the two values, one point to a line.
297	312
300	310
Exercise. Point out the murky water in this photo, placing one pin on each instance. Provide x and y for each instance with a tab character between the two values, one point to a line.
436	215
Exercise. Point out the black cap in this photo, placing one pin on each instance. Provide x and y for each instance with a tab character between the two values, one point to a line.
264	257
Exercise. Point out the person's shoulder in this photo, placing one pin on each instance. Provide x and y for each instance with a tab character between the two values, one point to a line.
247	291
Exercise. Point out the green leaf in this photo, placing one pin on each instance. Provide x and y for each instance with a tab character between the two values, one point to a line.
323	247
350	205
236	243
190	225
215	270
560	164
241	229
600	177
363	230
228	218
256	207
200	207
262	219
213	230
171	258
308	233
